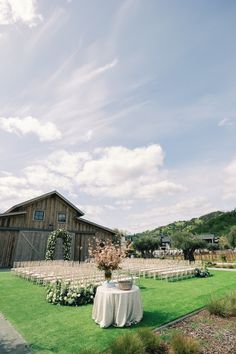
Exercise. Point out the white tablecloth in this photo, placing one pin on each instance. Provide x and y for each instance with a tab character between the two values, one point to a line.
116	307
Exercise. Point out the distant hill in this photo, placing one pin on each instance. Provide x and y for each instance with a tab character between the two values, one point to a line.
217	223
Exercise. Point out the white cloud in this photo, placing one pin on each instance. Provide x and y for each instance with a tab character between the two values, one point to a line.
15	189
118	164
114	172
184	209
2	37
93	211
42	177
124	204
58	171
25	11
134	179
85	74
22	126
190	207
224	122
65	163
229	190
97	213
120	172
8	181
80	93
89	135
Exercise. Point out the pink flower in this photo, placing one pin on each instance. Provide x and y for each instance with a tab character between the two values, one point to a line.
106	255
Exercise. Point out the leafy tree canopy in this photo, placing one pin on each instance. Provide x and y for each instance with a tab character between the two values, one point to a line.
146	245
118	236
188	243
224	243
218	223
232	237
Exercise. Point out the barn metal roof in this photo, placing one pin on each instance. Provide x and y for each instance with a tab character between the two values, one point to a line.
12	214
94	224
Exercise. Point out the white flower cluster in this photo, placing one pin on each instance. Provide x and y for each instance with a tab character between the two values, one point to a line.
62	293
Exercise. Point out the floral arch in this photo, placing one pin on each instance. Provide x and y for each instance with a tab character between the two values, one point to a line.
51	244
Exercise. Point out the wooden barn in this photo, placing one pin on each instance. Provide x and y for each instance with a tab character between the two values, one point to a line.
24	229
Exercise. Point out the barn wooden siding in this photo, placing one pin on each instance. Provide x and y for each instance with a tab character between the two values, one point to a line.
7	247
24	239
51	206
25	245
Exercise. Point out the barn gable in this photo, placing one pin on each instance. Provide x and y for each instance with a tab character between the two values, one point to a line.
44	196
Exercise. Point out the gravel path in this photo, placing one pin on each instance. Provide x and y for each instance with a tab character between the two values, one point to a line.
216	335
11	342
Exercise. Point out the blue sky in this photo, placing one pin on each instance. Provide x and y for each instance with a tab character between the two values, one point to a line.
127	107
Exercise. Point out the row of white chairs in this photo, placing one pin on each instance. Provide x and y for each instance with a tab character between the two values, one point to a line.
44	275
161	269
49	271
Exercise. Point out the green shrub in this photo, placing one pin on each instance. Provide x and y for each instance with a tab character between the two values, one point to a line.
230	304
213	247
202	273
184	345
128	343
144	341
152	342
225	307
62	293
217	307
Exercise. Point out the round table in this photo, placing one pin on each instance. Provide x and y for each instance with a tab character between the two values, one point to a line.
116	307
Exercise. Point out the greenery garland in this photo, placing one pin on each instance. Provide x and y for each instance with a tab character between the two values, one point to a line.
51	244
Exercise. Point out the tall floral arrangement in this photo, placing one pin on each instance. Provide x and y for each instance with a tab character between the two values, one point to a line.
107	256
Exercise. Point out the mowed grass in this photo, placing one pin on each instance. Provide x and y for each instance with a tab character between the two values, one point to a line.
57	329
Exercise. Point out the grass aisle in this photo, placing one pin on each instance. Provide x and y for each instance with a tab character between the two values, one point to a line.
58	329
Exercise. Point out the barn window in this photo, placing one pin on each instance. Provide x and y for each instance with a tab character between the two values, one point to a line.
61	217
38	215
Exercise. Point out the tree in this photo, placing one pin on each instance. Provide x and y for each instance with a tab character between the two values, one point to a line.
117	238
224	243
213	247
188	243
129	248
146	245
232	237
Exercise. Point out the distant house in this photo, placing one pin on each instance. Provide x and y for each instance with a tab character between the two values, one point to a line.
165	242
208	238
24	229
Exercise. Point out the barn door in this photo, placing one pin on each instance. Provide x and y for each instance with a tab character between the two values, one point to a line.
31	246
8	242
81	248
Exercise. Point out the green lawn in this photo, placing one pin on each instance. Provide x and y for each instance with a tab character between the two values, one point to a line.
58	329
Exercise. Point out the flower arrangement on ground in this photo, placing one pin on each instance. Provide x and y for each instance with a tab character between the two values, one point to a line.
202	273
107	257
67	294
